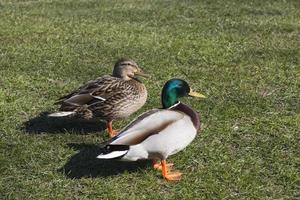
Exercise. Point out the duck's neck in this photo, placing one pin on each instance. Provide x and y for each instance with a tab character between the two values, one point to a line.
169	98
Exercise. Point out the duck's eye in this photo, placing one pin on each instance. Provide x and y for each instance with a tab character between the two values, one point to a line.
180	85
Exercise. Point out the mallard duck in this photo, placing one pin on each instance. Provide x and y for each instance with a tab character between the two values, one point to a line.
158	133
108	97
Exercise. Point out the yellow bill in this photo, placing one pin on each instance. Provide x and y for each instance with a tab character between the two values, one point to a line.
141	73
196	94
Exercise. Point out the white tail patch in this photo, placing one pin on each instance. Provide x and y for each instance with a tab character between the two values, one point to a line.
61	114
113	154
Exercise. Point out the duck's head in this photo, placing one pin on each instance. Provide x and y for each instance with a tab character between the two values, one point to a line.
127	69
174	89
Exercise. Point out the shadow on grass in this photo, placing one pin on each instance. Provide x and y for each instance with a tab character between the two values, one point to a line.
85	163
44	124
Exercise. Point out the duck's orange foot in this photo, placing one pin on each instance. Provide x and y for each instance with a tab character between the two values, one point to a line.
167	174
173	176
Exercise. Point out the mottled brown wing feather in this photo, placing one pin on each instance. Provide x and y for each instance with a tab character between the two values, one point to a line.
101	86
114	102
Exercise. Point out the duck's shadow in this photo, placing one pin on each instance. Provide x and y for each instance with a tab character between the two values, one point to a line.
44	124
85	164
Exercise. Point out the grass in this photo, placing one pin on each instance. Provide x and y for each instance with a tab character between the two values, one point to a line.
244	55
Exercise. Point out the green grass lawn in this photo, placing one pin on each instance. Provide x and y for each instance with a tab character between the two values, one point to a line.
243	55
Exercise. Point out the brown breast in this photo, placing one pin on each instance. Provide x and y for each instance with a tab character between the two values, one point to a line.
190	112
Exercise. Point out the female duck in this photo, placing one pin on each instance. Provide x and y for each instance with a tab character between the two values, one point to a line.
158	133
107	97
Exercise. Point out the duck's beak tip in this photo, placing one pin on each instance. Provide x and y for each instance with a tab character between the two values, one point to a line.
141	73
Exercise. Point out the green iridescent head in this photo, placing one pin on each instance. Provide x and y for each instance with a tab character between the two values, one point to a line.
174	89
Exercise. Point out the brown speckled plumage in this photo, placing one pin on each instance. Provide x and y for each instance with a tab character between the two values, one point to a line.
108	97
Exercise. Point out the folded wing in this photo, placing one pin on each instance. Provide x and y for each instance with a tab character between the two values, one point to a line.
96	90
147	124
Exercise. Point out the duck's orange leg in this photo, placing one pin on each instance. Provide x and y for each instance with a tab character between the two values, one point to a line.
110	130
168	175
157	165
